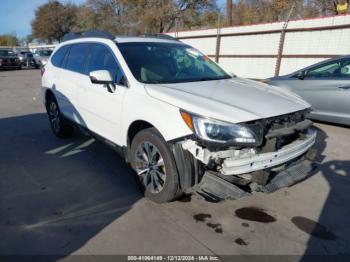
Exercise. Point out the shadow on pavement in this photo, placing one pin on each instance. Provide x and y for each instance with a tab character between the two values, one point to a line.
56	194
330	234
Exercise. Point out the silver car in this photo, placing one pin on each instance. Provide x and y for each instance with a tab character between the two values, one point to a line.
326	86
41	56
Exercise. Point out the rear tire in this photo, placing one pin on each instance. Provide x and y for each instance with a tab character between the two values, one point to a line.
155	167
60	126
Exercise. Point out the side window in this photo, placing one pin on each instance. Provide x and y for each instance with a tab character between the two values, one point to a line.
345	69
329	70
101	58
58	57
77	57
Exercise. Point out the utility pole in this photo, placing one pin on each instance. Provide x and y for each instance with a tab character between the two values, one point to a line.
281	43
229	12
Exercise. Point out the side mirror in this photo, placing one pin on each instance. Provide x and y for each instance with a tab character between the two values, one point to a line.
102	77
301	75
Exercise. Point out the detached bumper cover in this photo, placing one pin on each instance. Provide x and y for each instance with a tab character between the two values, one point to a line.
215	189
238	166
236	173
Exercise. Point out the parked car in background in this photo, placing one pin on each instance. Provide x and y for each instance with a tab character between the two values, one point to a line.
41	56
9	59
182	122
326	86
27	59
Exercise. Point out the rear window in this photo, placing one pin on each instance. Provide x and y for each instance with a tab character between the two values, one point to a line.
77	57
6	53
59	56
45	52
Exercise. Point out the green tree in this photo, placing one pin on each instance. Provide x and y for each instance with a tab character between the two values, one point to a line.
150	16
86	19
258	11
29	38
328	7
53	20
8	40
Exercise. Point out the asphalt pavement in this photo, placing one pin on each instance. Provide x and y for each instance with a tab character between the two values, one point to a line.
76	196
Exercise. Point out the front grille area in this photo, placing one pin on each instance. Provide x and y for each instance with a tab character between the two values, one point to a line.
276	132
276	143
285	121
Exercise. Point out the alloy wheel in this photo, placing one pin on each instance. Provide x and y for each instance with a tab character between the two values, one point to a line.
54	117
150	168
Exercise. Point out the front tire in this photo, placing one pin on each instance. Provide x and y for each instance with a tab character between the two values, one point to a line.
154	165
60	126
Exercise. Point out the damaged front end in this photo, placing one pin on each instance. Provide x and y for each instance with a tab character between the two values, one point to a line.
281	156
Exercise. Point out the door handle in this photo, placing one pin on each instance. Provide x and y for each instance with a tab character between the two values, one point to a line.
344	87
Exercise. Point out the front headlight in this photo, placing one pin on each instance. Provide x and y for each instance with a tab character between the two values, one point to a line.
219	131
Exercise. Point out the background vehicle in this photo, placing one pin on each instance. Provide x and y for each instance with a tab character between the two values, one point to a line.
41	56
326	86
27	59
8	59
182	122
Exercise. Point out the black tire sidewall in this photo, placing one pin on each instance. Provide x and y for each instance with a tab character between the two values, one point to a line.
170	189
65	128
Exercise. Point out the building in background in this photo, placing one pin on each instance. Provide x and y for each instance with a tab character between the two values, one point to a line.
252	51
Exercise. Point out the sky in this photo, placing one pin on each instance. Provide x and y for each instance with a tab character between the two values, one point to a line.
16	15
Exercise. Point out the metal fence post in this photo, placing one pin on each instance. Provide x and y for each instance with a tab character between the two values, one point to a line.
218	41
280	52
281	43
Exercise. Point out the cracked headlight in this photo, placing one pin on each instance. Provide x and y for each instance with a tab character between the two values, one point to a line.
219	131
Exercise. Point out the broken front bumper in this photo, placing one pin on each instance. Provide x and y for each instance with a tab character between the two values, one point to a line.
214	188
238	166
264	172
238	162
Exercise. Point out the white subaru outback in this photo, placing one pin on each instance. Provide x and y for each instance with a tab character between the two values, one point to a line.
182	122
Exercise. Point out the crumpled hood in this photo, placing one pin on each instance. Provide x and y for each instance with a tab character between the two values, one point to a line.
234	100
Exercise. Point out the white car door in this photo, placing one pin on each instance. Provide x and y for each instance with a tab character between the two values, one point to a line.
67	78
101	109
59	85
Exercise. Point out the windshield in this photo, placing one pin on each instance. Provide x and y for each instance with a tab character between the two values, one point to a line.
45	52
6	53
169	63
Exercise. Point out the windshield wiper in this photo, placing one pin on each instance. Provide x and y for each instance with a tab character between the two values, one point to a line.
206	79
213	78
175	81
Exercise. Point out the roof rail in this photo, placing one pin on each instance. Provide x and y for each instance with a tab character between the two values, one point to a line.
161	36
90	33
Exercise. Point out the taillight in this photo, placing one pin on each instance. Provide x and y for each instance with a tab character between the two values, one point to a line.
42	71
